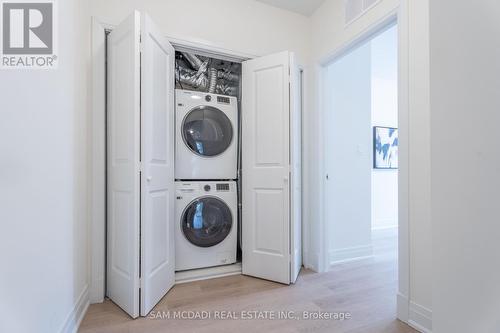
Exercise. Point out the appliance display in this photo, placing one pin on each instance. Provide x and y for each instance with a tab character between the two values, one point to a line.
206	224
206	136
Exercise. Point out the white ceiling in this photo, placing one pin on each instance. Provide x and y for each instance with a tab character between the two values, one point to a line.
304	7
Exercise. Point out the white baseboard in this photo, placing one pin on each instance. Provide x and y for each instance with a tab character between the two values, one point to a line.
76	315
385	227
420	318
96	293
207	273
305	258
316	264
350	254
403	308
312	261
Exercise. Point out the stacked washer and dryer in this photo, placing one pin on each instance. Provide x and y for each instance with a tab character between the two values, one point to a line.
206	169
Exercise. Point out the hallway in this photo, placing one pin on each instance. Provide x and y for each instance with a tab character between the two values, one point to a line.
365	289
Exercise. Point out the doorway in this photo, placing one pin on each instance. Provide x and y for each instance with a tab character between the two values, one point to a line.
360	196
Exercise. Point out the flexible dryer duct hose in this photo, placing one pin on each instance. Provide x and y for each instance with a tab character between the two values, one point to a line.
228	76
192	78
206	79
193	60
213	80
225	89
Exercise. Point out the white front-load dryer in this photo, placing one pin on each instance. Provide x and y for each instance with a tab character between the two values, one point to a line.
206	224
206	136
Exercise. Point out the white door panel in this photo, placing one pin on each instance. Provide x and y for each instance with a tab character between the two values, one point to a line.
265	167
157	181
140	129
123	165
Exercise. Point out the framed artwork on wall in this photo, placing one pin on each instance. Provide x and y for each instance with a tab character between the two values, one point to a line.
385	147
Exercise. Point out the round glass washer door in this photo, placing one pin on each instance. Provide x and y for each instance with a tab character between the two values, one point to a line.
206	221
207	131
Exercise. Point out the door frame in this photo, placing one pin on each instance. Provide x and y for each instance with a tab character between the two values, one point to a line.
97	137
400	17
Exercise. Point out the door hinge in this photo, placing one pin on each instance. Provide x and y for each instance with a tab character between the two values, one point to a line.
140	43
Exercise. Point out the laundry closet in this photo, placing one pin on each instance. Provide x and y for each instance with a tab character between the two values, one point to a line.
203	165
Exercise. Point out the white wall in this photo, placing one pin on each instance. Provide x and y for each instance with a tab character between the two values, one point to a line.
328	29
465	104
43	185
245	26
348	155
384	106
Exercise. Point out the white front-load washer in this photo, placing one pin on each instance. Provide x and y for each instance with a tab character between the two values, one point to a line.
206	224
206	136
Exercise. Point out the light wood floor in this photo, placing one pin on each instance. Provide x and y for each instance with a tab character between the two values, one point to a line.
366	289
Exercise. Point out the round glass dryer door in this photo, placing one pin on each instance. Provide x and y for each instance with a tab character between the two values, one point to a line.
206	222
207	131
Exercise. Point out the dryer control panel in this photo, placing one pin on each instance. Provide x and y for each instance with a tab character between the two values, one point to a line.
203	188
223	100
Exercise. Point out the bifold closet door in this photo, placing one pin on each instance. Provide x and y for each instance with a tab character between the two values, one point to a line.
266	214
157	181
123	222
140	200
